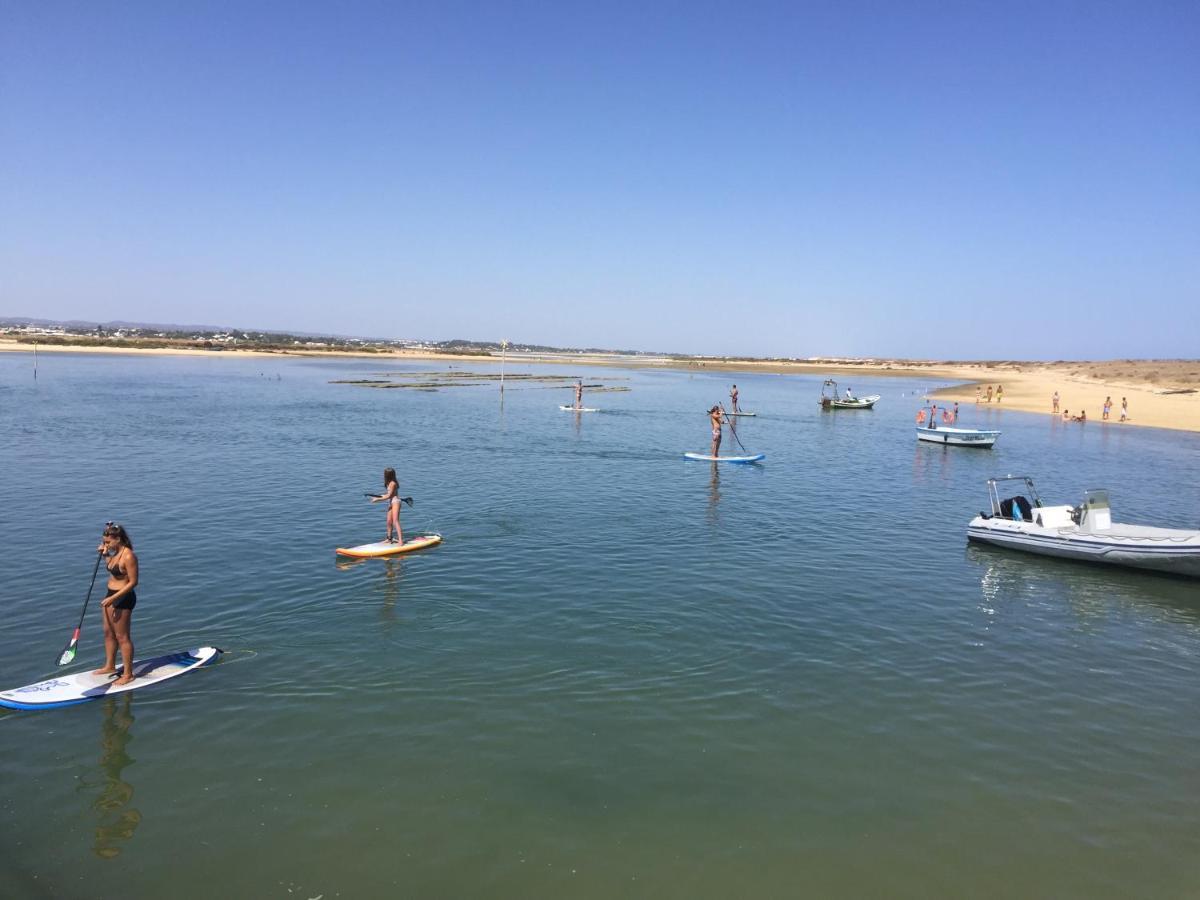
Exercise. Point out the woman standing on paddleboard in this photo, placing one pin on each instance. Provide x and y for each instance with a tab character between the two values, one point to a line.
116	608
715	415
391	496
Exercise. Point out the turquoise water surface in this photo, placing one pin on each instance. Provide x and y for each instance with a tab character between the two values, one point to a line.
622	674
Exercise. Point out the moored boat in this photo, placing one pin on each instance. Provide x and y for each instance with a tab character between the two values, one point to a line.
847	401
1085	532
930	431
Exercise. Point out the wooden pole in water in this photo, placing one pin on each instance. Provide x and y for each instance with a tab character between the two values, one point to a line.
35	360
503	352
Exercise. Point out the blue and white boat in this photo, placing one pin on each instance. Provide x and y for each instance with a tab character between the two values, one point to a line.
1086	532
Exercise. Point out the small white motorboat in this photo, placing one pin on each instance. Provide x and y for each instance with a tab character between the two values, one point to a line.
848	401
959	437
1085	532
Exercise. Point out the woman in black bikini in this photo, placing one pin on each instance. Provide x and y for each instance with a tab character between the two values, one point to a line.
116	609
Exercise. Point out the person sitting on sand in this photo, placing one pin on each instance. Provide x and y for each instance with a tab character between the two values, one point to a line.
116	609
1082	417
714	414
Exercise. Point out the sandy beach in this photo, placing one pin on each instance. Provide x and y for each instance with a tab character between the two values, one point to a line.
1151	387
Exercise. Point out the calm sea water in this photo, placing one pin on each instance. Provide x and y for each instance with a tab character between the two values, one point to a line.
623	674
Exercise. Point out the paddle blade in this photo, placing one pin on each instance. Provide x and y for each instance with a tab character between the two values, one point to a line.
68	653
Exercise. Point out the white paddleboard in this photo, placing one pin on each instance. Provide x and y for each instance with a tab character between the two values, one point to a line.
741	414
728	459
579	409
84	686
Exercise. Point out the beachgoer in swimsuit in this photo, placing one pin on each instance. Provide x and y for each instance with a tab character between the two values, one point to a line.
989	399
116	608
714	415
733	398
999	392
1124	409
954	418
1054	400
391	496
1107	408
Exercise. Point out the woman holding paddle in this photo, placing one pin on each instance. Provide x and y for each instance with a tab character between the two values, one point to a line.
391	496
117	606
715	415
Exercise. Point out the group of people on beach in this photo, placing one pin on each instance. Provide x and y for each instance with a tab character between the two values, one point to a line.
999	393
1082	417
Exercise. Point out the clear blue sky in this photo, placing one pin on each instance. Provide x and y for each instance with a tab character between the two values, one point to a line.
917	179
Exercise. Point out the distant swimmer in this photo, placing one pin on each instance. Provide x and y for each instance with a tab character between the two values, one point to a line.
733	400
116	609
391	496
579	394
714	415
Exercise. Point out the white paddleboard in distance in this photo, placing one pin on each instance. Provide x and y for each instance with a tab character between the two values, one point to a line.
741	414
384	548
84	686
729	459
579	409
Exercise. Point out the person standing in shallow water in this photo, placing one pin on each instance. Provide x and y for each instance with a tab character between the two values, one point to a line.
714	416
391	496
116	609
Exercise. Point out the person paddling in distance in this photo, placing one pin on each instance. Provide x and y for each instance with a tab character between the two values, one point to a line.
116	609
733	401
579	393
714	415
391	496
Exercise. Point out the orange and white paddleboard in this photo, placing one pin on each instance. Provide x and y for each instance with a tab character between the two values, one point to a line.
385	548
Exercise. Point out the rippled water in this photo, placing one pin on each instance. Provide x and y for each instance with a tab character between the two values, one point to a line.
623	674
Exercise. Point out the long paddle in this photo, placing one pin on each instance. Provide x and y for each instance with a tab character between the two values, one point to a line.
407	500
68	653
733	431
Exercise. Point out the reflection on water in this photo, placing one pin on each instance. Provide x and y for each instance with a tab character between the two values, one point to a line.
389	586
714	494
1092	592
117	819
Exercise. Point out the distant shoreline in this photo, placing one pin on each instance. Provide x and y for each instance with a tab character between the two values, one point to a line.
1028	386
